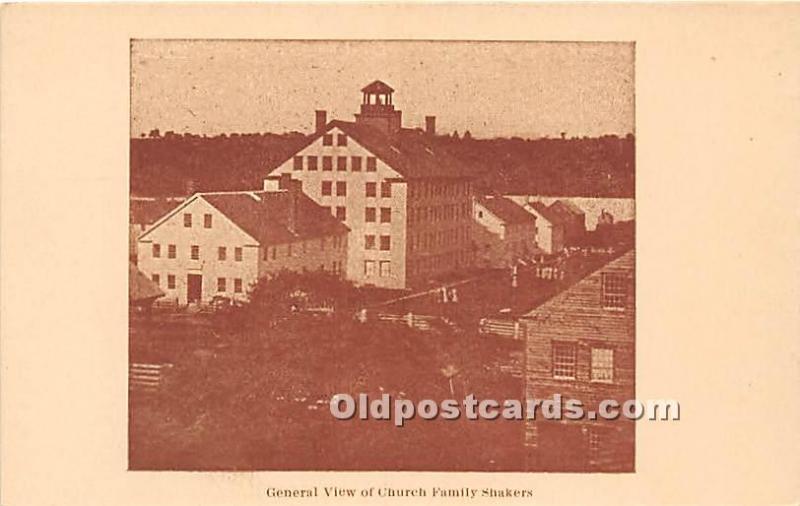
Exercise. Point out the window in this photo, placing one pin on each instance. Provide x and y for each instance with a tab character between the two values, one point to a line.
298	163
355	164
274	252
171	281
327	140
602	365
322	244
386	214
564	360
386	243
386	189
327	163
289	250
156	250
312	162
327	187
369	268
195	252
369	215
172	251
341	188
372	164
341	163
207	221
369	242
156	278
385	268
614	290
222	253
221	285
237	254
371	189
336	267
187	220
237	285
341	140
341	213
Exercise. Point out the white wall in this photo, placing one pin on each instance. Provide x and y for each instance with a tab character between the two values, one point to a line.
623	209
356	202
222	233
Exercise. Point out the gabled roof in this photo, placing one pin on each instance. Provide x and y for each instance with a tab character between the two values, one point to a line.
624	261
377	87
147	210
565	207
507	210
547	213
140	287
410	152
267	216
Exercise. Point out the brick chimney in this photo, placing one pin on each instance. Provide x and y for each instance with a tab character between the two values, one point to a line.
430	125
294	190
321	120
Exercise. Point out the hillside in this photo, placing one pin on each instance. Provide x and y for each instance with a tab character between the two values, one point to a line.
177	164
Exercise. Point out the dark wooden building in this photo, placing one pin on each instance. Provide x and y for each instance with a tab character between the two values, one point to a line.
581	345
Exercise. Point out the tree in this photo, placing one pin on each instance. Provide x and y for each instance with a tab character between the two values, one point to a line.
287	292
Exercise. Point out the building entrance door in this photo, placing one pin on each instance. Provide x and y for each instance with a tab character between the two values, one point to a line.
194	288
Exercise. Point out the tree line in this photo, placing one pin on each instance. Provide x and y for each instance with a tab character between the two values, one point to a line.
177	164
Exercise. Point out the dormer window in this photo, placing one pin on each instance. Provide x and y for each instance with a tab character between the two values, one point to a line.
341	140
327	140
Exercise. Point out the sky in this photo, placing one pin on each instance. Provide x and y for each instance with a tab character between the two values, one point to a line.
492	89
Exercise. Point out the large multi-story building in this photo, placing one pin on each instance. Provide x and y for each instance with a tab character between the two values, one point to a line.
407	202
581	344
220	244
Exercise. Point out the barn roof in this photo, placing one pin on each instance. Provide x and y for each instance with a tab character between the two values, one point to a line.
507	210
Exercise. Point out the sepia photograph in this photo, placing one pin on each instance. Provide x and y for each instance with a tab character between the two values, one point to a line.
315	225
399	254
331	237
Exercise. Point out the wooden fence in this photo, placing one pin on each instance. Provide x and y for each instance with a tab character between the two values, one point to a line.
505	328
418	322
146	377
